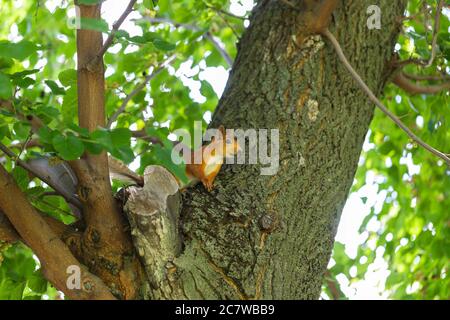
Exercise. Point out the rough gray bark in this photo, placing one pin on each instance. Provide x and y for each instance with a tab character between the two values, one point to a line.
263	237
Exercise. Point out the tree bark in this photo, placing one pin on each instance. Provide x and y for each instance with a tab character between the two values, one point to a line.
271	237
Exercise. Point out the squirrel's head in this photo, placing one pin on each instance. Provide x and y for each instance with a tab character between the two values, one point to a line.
229	143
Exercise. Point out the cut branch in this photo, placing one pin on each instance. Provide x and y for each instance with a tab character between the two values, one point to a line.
378	103
138	89
404	83
53	254
63	192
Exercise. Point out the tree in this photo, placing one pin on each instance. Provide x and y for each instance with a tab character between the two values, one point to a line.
253	236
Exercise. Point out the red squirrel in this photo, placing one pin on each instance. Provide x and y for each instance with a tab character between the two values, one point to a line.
212	156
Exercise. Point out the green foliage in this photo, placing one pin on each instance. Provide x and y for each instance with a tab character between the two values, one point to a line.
20	277
413	234
37	74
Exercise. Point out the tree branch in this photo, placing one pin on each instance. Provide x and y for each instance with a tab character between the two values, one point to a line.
35	122
7	232
53	254
402	82
378	103
416	77
138	89
111	36
106	245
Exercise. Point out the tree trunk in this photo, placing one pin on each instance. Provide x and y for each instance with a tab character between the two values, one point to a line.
271	237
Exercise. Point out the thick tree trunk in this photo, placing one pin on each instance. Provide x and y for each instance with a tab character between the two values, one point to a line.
270	237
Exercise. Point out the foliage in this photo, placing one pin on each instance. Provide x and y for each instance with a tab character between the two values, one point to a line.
37	73
409	228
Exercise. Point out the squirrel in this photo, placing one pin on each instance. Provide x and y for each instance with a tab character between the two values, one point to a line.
212	156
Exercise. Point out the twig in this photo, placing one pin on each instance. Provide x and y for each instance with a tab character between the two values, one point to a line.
413	88
437	25
69	197
228	24
219	48
208	36
417	77
225	12
335	291
139	89
111	36
378	103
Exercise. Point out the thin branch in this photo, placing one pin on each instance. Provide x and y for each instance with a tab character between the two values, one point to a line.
219	48
404	83
378	103
69	197
141	134
335	291
417	77
111	36
225	12
437	25
138	89
207	35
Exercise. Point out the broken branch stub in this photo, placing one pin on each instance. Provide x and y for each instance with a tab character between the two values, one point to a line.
153	212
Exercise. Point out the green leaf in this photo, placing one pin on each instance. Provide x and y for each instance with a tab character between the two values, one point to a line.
23	82
46	135
22	129
21	177
68	77
24	73
37	283
93	148
94	24
6	63
6	88
123	153
207	90
68	147
163	45
120	137
69	106
89	2
102	137
4	131
20	50
57	90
